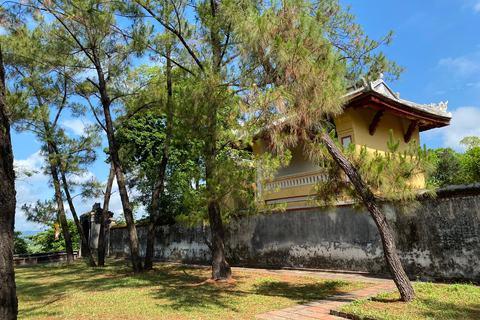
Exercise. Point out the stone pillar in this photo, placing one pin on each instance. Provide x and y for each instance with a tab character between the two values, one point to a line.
111	222
95	220
91	226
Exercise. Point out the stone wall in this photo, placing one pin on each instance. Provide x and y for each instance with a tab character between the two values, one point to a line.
439	240
172	242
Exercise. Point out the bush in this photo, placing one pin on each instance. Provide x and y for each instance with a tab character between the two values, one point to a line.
20	246
453	168
47	241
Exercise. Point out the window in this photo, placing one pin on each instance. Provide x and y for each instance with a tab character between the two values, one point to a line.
346	141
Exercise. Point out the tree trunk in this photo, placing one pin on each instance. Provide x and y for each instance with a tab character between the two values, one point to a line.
77	222
105	217
220	267
61	210
159	184
389	249
8	295
122	189
157	192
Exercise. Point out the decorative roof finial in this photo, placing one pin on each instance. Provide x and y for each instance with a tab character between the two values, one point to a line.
380	75
443	106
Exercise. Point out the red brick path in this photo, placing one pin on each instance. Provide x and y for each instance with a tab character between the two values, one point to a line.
321	309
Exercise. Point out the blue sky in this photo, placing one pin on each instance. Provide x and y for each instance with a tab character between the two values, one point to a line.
437	42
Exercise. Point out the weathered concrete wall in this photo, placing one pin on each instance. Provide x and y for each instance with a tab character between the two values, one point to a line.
174	242
441	239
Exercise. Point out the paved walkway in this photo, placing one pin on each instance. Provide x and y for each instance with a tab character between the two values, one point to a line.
321	309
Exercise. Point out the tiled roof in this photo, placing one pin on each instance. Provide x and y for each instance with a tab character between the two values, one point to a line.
380	87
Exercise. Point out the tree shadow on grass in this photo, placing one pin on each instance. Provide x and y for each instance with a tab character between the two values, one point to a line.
178	289
225	296
431	304
385	300
194	294
444	310
302	292
45	281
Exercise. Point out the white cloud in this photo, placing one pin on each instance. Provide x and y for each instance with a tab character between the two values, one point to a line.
463	65
77	126
476	6
473	84
32	164
29	193
473	4
115	205
465	122
83	178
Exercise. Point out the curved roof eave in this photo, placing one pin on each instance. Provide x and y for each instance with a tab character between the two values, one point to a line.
378	95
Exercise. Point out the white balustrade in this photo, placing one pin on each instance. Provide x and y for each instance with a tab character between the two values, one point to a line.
297	181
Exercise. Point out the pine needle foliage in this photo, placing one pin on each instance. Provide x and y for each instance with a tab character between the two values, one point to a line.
390	175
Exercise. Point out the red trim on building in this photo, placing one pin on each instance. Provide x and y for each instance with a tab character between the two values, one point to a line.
375	101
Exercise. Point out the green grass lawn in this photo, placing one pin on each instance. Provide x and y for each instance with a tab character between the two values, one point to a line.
62	291
434	301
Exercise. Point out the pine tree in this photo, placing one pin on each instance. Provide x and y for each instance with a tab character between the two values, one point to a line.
41	95
303	55
87	29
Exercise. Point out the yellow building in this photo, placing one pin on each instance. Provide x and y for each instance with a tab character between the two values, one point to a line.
372	111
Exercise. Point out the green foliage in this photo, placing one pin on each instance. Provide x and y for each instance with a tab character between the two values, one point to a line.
20	245
453	168
41	93
43	212
238	67
185	197
471	160
142	138
47	241
390	175
470	142
448	167
392	146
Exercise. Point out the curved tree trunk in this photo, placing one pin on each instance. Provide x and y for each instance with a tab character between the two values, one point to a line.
389	249
105	217
77	222
61	209
8	294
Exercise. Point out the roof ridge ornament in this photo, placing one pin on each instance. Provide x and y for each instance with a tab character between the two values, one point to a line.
442	106
364	82
367	85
